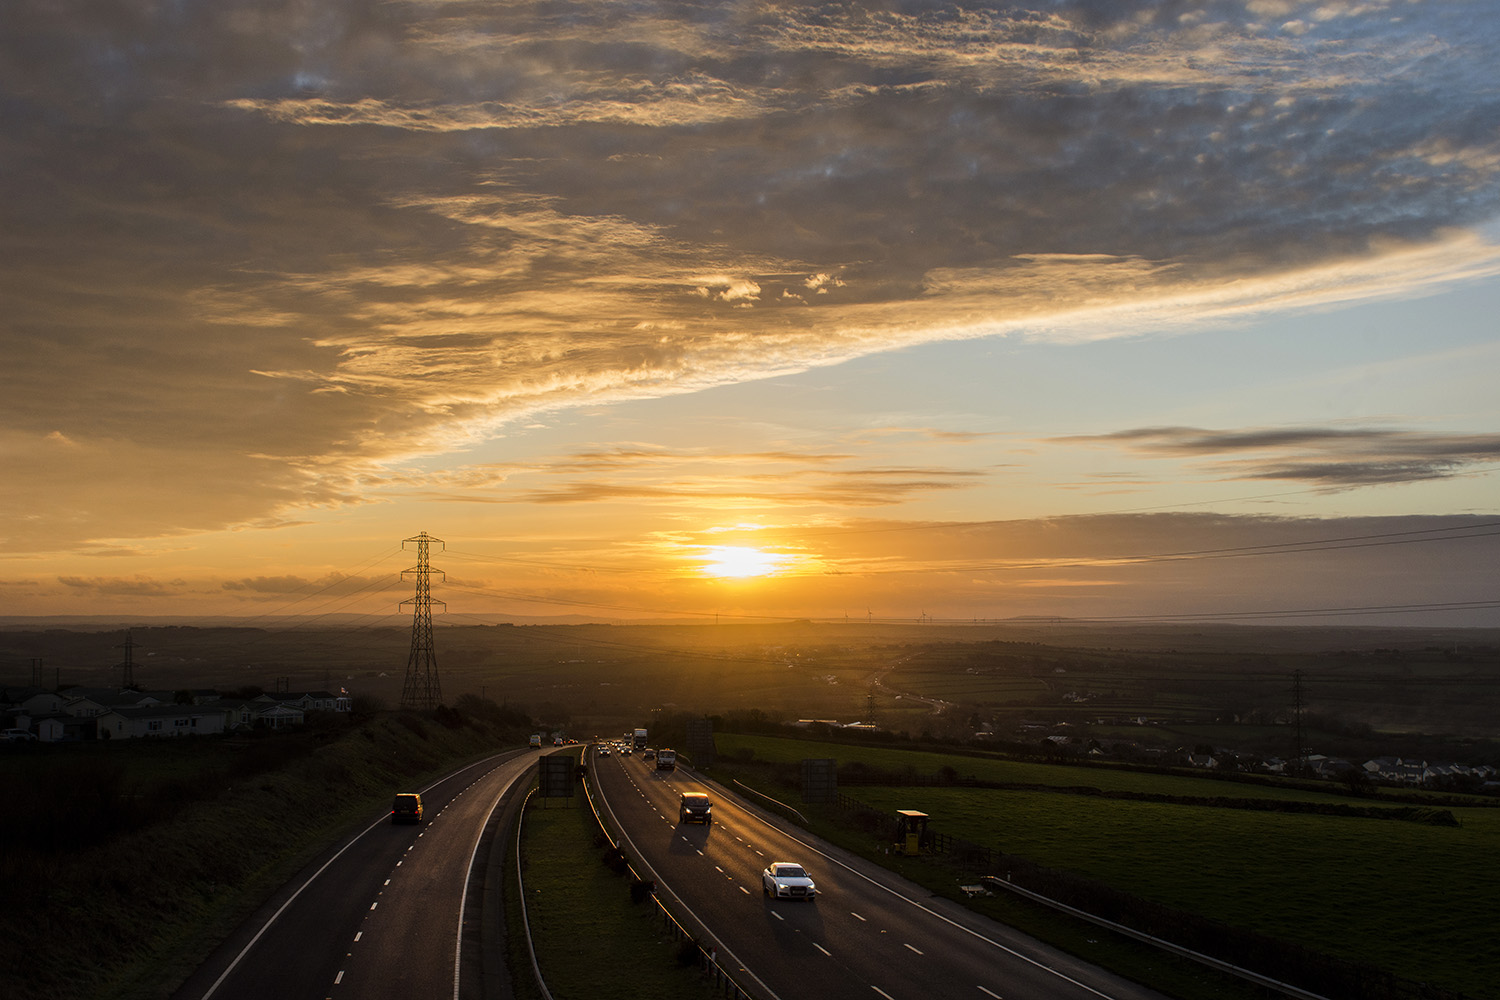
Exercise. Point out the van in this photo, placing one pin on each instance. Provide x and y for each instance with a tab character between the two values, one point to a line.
407	808
695	807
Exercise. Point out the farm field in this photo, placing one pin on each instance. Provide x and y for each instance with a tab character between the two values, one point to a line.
778	750
1414	899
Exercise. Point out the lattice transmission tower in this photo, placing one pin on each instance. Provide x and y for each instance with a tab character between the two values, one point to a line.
421	690
127	666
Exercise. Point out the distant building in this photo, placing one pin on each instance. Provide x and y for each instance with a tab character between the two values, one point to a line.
159	722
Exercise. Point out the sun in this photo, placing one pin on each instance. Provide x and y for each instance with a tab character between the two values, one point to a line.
739	561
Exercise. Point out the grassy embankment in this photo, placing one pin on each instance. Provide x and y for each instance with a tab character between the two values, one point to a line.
592	939
124	864
1413	899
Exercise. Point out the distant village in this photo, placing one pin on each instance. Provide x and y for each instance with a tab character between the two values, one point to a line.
78	714
32	714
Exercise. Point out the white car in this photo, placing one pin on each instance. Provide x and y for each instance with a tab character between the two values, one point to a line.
784	880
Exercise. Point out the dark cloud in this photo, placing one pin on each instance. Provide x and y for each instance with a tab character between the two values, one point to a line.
262	251
1331	456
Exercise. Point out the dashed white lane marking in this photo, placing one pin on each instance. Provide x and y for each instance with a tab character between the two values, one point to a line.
989	994
856	916
917	950
822	949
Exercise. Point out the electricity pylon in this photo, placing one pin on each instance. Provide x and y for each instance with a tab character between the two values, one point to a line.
421	690
127	668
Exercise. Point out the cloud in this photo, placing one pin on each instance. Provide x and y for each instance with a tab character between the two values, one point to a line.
1333	456
109	587
836	488
259	259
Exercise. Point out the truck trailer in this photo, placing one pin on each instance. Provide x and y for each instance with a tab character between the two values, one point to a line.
639	742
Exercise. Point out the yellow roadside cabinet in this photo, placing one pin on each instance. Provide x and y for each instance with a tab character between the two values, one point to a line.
911	830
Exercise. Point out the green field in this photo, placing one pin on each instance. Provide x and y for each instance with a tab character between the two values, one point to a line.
1417	900
777	750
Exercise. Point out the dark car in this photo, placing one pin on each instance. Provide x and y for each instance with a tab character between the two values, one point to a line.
696	807
407	808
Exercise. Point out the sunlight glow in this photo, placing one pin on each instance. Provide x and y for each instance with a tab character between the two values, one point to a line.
739	561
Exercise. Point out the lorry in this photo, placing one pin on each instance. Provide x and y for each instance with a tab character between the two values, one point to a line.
666	760
639	742
536	741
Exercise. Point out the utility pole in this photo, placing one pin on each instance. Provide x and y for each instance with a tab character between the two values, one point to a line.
1300	756
421	689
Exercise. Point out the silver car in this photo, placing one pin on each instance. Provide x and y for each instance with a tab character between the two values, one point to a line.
785	880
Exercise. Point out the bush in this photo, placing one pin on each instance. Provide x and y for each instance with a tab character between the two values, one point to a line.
614	859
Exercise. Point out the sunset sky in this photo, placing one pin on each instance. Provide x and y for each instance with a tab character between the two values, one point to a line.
1110	310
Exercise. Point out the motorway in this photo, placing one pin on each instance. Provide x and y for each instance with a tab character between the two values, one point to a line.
392	911
869	933
379	915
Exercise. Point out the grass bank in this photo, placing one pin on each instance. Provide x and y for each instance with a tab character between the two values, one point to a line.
127	913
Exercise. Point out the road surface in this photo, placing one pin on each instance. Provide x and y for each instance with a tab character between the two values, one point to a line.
379	915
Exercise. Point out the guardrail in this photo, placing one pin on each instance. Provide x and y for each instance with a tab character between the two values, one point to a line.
791	813
1248	975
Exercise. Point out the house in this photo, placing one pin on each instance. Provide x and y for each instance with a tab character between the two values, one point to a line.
42	703
317	701
239	713
279	716
90	703
57	728
158	722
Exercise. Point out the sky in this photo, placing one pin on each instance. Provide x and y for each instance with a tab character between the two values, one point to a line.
1103	309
